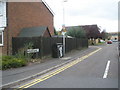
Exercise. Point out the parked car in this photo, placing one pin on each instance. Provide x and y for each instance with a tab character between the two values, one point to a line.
102	41
109	42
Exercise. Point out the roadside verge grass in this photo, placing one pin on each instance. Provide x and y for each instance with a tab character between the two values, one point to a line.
101	43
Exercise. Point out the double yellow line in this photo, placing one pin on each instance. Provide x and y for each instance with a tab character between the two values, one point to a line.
59	70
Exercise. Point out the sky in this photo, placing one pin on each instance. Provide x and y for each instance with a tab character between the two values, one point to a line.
104	13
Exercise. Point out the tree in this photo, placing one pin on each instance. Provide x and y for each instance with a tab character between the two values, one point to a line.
92	31
104	35
77	32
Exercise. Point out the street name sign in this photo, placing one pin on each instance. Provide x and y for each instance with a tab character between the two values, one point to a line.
32	50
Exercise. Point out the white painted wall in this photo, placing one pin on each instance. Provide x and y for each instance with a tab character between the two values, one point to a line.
3	19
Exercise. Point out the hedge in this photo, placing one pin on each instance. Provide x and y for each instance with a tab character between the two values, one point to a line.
12	62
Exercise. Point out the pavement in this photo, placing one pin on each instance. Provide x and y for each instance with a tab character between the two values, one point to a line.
16	76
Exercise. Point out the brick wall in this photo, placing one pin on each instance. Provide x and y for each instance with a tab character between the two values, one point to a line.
25	14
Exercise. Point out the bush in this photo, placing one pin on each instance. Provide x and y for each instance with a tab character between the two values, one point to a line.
5	58
77	32
12	62
17	63
5	65
22	52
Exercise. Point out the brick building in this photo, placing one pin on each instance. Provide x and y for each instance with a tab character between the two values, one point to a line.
21	15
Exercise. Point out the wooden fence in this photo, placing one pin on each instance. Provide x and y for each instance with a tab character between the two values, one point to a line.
44	44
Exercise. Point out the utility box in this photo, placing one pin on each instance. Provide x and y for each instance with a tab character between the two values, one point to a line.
57	50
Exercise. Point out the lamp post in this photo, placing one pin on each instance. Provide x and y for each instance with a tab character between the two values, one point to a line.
63	33
64	12
63	27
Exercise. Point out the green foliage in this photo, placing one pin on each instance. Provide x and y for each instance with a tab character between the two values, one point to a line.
105	35
28	45
101	43
19	60
12	62
16	62
55	32
77	32
5	58
22	52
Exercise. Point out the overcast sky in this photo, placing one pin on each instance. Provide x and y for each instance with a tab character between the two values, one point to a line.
104	13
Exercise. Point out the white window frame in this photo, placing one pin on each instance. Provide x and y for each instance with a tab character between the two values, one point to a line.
1	44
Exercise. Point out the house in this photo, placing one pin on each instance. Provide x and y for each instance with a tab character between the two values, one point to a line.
92	31
113	35
16	16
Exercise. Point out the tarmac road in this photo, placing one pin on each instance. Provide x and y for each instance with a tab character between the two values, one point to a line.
98	69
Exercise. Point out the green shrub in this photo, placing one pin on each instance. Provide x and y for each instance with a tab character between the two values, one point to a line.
22	52
5	65
19	60
12	62
5	58
20	55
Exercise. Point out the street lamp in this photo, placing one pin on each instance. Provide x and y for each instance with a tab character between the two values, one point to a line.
63	27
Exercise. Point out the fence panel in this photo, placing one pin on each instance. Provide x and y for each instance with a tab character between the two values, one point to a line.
70	44
78	43
60	40
44	44
19	43
84	42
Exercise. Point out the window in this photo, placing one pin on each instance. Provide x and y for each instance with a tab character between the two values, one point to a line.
1	38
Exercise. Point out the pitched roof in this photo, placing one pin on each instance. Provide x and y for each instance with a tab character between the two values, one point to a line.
92	31
88	27
85	27
33	31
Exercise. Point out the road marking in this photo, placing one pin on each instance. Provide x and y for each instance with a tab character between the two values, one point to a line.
58	70
106	70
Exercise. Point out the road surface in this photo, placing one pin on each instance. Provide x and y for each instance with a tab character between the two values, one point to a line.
98	69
